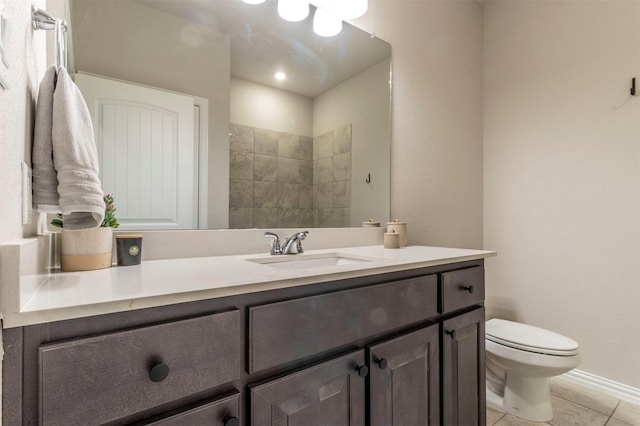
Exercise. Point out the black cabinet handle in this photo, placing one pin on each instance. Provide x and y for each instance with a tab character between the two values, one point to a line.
451	333
469	288
363	371
231	421
382	363
158	372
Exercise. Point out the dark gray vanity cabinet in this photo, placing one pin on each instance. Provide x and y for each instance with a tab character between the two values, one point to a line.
405	379
463	349
98	379
463	367
399	348
331	393
222	412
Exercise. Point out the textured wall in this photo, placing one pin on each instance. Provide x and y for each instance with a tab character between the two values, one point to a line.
27	56
562	174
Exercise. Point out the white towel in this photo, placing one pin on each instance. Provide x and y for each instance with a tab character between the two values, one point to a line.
75	157
45	180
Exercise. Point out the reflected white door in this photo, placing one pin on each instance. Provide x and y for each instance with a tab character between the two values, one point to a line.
147	151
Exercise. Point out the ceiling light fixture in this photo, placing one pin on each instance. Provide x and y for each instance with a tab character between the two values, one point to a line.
253	1
280	76
293	10
326	24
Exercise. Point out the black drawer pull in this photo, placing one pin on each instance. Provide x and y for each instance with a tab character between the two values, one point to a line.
469	288
231	421
363	371
451	333
382	363
158	372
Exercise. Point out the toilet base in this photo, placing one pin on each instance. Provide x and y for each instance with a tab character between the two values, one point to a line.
526	397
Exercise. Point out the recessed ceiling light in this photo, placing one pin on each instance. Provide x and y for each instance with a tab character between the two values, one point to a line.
253	1
280	75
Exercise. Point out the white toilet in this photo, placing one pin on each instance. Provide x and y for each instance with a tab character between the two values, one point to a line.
520	360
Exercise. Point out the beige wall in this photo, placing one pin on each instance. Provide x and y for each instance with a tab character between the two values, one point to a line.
363	102
436	151
257	105
562	174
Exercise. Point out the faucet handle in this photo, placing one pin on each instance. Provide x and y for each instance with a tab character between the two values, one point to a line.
275	243
299	236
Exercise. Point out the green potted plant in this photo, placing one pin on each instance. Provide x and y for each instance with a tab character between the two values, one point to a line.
88	249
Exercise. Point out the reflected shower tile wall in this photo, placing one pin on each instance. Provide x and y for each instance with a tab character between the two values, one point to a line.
288	170
265	194
241	165
271	178
241	138
306	148
265	217
342	140
342	167
240	217
266	142
288	195
289	146
240	193
332	178
306	196
265	168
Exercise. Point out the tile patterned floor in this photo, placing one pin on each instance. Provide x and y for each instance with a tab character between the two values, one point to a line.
576	405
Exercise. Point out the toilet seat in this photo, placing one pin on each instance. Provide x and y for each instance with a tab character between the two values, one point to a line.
529	338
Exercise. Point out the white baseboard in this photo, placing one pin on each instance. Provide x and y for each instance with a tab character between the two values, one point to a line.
619	390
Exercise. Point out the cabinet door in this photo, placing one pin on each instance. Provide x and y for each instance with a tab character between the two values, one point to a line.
405	379
331	393
463	387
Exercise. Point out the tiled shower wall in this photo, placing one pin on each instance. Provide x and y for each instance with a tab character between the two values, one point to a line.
332	179
272	181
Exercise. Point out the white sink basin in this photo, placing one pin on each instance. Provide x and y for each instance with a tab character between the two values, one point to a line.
311	261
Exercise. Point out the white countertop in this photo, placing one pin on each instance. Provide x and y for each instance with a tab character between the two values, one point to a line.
67	295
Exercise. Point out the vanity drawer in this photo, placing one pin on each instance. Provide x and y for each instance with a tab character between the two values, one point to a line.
461	288
103	378
285	331
216	413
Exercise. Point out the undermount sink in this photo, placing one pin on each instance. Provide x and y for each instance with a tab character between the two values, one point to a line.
311	261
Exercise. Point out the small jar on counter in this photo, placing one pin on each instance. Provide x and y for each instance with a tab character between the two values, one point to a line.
399	228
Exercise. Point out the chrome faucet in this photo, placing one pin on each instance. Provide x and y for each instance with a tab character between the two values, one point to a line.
275	242
292	245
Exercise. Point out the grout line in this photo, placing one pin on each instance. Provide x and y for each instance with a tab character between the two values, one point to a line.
613	412
589	408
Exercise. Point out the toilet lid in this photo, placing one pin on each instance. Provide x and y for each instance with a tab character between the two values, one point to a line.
529	338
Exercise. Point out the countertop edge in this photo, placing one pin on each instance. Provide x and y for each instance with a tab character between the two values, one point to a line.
26	318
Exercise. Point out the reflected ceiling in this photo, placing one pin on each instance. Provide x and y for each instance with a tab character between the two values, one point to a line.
258	36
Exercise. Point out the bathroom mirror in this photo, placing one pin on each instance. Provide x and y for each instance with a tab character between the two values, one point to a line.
309	150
